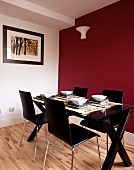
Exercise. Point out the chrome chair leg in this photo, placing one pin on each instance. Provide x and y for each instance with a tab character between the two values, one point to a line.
99	152
62	145
22	132
35	144
46	151
72	158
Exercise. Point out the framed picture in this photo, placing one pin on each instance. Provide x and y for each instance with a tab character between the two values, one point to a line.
22	46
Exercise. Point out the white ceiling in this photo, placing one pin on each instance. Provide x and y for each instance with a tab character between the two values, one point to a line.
56	14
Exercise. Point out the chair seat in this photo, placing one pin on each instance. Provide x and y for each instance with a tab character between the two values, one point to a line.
41	119
79	134
93	125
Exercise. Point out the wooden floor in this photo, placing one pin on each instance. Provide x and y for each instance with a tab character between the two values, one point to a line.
14	158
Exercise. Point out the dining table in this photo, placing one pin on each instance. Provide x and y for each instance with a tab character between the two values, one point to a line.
108	115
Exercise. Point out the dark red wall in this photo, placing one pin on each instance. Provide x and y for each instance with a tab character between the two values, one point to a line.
105	60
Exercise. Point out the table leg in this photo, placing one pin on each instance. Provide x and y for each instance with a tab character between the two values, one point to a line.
116	137
33	134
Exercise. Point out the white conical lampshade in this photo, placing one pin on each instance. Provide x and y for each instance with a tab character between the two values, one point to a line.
83	30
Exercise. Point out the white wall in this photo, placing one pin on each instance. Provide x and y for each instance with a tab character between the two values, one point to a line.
34	78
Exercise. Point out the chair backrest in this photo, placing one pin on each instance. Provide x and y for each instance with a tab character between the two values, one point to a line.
27	105
58	123
114	95
80	91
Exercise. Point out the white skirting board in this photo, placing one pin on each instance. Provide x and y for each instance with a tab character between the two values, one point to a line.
128	137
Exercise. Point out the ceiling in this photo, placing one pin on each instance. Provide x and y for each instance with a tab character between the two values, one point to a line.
56	14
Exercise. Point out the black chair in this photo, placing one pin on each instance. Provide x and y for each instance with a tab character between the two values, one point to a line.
80	91
58	125
113	96
29	114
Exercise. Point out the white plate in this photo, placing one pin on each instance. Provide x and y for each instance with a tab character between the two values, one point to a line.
99	97
78	101
66	92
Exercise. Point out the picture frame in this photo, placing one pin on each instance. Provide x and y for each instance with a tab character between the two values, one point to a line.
22	46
